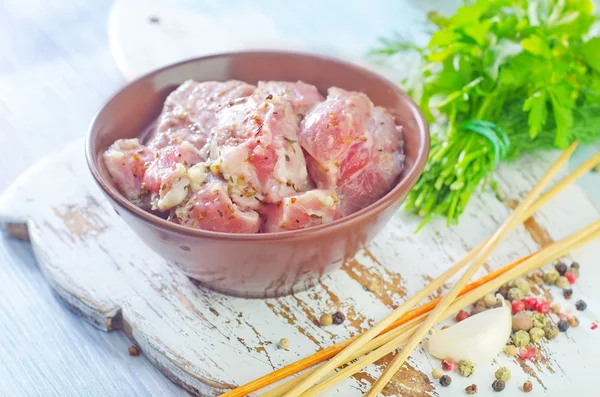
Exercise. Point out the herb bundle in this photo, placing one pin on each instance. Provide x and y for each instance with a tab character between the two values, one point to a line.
502	77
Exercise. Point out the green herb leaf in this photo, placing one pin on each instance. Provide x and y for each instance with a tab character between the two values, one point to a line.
537	46
591	53
538	112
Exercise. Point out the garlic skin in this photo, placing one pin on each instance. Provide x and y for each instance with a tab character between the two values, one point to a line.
478	338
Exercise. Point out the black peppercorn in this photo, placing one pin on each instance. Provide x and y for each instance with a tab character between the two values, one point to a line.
561	268
498	385
580	305
567	293
338	318
563	325
445	380
575	265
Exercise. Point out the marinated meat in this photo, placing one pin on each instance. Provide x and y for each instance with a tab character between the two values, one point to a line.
301	95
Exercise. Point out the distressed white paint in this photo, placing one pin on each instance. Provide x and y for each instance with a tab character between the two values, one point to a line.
100	268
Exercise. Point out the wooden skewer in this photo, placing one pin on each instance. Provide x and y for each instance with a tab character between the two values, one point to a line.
541	257
481	256
329	352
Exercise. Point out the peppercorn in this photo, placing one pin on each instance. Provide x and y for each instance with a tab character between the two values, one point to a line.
490	300
562	325
537	277
461	315
527	352
555	308
477	309
571	277
338	318
527	386
561	268
502	374
580	305
466	368
284	343
498	385
471	389
521	338
133	351
575	265
373	285
539	320
517	306
445	380
437	373
515	294
543	307
523	285
536	334
326	319
510	350
574	271
479	303
504	291
448	364
550	276
562	282
521	322
567	293
551	331
530	302
573	321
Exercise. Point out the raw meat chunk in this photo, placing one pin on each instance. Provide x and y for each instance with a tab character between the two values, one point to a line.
255	147
302	96
189	111
126	160
306	209
167	175
210	208
353	148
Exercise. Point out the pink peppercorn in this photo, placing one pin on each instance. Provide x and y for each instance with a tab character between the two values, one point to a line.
527	352
448	364
543	307
571	277
517	306
462	315
594	326
530	302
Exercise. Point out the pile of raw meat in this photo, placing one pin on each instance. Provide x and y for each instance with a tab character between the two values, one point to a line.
238	158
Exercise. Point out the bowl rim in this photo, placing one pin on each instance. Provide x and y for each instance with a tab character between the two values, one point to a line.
395	194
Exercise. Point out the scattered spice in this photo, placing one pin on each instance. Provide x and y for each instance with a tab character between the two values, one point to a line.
462	315
527	386
437	373
445	380
574	271
498	385
594	326
373	285
555	308
536	334
550	276
539	320
284	343
504	291
510	350
530	302
517	306
543	307
478	309
133	351
573	322
551	331
561	268
326	319
562	325
448	364
490	300
515	294
575	265
523	285
471	389
521	322
466	368
580	305
571	277
567	293
527	352
562	282
521	338
338	318
537	277
502	374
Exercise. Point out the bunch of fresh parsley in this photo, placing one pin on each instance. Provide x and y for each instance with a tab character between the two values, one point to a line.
503	77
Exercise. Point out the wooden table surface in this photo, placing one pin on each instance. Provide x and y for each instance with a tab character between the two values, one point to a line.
55	71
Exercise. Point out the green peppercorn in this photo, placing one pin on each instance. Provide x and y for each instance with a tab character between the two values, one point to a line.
466	367
490	300
510	350
550	276
502	374
523	285
551	331
574	271
521	338
539	320
562	282
574	265
536	334
515	293
498	385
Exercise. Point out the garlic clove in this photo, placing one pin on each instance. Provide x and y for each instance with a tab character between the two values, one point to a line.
478	338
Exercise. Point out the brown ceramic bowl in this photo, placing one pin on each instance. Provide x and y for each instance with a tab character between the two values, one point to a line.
255	265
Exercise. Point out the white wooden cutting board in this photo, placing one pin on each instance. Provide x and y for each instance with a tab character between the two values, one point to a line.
209	342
